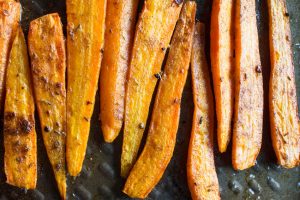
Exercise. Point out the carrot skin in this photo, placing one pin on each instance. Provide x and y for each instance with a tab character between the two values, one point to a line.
153	34
249	98
201	154
249	94
119	33
161	139
48	66
10	13
222	61
85	40
284	120
20	157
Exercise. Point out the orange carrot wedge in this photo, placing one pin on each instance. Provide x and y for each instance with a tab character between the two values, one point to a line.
48	62
119	33
86	21
161	139
19	126
284	118
249	98
222	61
201	155
9	20
153	34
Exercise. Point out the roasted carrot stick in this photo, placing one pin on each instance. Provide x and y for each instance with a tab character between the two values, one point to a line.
153	34
9	20
19	126
221	51
249	98
161	139
201	154
119	33
86	21
48	62
283	98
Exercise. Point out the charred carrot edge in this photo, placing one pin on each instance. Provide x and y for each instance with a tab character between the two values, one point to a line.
222	51
20	157
248	113
161	139
153	34
85	40
201	154
48	64
119	33
284	118
10	13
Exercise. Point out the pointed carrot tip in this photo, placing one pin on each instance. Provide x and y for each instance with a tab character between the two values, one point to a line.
74	169
110	134
222	147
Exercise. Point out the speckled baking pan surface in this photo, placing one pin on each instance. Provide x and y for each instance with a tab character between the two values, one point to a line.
100	178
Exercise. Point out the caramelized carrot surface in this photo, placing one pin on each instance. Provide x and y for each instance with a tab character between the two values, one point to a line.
161	139
85	39
20	158
249	97
48	64
284	118
153	34
119	33
222	61
201	173
9	20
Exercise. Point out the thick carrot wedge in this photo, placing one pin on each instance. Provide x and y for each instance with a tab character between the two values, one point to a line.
19	126
284	118
249	98
161	139
201	154
222	61
9	20
48	62
153	34
86	21
119	33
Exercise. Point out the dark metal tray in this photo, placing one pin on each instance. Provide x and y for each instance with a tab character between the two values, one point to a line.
100	175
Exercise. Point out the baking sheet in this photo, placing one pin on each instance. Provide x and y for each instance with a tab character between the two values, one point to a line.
100	175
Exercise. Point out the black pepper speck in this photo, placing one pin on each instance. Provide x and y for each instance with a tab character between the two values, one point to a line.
47	129
258	69
141	125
